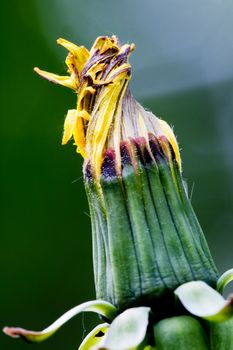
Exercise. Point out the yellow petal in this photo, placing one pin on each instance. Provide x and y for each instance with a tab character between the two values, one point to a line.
79	136
73	126
69	125
83	100
171	138
84	115
80	53
104	43
103	124
72	70
57	79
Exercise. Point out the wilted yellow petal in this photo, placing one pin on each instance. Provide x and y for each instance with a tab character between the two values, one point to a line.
80	53
84	115
168	132
79	136
69	125
73	126
112	77
57	79
83	99
103	125
104	43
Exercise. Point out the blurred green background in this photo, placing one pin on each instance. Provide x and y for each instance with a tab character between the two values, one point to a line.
182	71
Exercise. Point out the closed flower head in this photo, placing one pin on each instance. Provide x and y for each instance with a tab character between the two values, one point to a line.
146	238
154	275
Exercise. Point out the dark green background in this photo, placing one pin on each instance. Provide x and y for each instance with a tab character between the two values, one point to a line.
183	72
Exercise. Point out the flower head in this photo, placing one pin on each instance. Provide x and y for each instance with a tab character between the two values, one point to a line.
146	238
106	113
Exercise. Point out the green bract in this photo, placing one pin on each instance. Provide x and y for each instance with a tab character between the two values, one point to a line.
99	306
146	238
95	338
203	301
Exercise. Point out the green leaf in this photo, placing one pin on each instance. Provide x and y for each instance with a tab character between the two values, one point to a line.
203	301
128	330
94	337
99	306
223	280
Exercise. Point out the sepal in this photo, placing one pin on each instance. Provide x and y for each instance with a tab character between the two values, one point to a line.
203	301
95	338
99	306
128	330
224	279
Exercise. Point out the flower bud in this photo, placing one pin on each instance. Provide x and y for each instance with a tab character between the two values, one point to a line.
146	238
181	333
